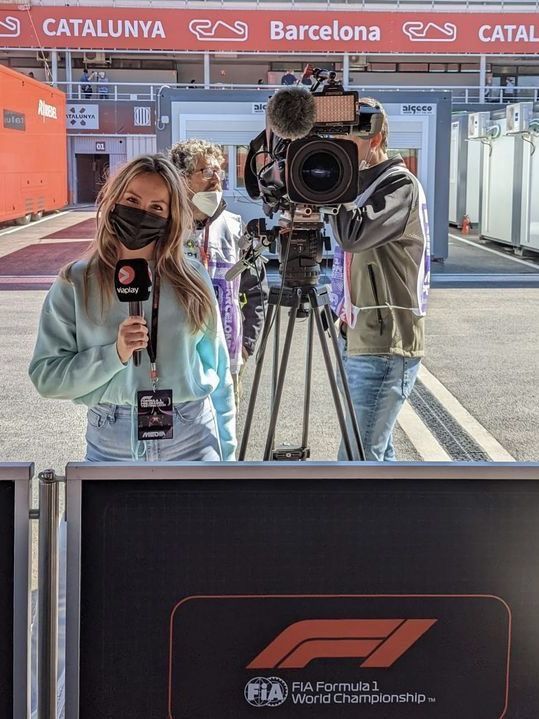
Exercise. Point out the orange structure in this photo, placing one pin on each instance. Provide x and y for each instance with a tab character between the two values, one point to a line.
33	147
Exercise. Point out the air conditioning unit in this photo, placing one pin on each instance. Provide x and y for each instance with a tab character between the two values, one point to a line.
518	116
358	60
95	58
478	124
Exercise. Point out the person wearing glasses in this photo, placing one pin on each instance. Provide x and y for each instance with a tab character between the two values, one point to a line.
215	241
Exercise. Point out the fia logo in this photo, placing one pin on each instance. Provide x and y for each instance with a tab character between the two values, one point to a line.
266	692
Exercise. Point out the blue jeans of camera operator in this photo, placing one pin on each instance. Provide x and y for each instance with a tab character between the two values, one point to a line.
379	386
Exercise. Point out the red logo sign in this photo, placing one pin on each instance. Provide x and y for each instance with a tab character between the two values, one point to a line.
126	275
271	30
379	642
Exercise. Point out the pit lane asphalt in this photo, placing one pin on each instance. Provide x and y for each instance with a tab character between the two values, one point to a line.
481	344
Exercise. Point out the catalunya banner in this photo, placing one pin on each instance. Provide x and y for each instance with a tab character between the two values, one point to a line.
237	31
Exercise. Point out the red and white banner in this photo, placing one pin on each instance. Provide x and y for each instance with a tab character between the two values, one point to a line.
270	31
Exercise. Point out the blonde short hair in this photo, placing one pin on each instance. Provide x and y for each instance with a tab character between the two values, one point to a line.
385	126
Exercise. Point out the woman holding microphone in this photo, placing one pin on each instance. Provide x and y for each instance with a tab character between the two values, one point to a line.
86	338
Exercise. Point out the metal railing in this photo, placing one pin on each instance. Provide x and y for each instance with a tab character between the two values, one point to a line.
149	91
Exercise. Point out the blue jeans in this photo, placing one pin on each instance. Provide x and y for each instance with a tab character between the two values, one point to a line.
379	385
111	435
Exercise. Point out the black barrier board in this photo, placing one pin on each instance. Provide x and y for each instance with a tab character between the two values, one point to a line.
7	520
320	599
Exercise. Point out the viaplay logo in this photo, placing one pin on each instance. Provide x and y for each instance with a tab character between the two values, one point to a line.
379	642
126	275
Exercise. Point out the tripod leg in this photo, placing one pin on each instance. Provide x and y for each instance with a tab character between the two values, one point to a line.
308	376
346	387
256	382
333	383
276	345
282	374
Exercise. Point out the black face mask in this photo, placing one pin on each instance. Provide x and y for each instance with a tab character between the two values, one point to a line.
136	228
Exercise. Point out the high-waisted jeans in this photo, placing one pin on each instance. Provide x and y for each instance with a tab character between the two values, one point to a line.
111	435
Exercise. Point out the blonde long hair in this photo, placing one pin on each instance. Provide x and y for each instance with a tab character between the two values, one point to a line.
193	293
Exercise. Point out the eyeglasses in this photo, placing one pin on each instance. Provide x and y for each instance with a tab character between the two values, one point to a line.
209	172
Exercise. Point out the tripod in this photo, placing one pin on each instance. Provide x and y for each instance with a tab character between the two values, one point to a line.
311	302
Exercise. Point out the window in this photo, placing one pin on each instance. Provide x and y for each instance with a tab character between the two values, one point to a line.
382	67
413	67
226	167
241	156
410	157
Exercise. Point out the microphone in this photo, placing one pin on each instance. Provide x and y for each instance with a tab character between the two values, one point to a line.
292	112
246	262
237	269
133	282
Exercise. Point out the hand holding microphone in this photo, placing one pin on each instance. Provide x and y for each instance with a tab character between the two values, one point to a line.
132	282
132	338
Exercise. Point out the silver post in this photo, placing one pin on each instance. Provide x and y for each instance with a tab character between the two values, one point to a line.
207	71
49	508
482	78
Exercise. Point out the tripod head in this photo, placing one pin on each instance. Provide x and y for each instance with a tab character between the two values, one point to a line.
300	245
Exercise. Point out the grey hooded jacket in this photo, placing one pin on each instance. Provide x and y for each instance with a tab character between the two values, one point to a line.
387	240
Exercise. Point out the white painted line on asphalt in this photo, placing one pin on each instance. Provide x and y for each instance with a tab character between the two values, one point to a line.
520	278
26	279
484	439
428	447
495	252
61	240
11	230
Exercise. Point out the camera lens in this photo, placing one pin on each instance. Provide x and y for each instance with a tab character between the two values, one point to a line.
321	171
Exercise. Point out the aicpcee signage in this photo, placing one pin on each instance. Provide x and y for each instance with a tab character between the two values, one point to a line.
270	31
389	657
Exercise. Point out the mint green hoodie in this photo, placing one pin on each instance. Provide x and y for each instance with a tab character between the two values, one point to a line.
75	355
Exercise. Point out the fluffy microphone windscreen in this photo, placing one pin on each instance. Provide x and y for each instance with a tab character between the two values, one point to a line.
292	112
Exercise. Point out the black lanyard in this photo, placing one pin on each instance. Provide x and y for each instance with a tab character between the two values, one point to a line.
152	343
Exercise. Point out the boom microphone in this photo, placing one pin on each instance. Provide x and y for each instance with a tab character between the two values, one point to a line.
292	112
132	282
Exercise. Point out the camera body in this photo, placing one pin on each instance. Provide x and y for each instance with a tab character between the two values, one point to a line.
303	162
310	162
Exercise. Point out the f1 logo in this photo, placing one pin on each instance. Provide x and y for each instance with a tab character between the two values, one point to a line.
379	642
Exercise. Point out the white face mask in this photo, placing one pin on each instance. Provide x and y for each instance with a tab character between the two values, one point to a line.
207	202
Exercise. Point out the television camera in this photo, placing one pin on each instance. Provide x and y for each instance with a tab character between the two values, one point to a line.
302	162
304	166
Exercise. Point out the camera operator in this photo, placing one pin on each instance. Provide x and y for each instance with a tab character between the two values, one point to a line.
379	288
215	241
